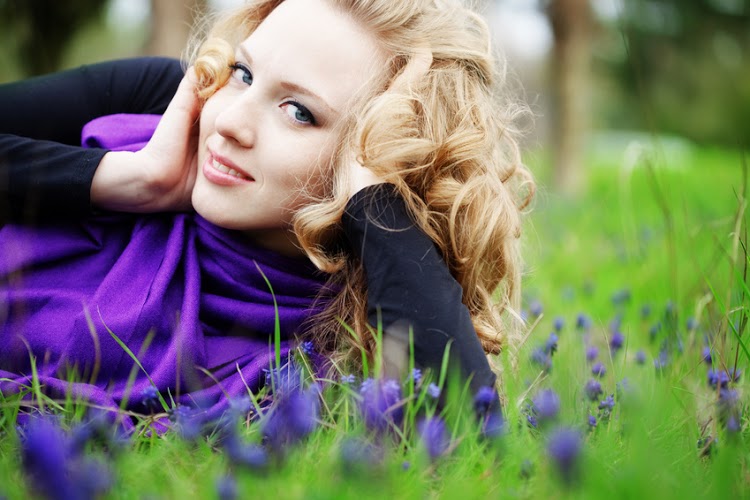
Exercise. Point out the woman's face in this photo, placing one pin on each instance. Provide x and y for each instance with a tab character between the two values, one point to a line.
272	128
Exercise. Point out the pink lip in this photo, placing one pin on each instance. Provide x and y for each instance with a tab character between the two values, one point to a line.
223	178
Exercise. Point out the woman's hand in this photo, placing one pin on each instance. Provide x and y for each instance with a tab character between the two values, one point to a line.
161	176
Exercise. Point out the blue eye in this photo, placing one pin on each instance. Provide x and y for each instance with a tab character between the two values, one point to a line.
298	112
243	72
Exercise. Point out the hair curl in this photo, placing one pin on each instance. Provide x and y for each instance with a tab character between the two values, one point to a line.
447	140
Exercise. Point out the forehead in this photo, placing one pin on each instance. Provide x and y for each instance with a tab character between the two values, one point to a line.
309	43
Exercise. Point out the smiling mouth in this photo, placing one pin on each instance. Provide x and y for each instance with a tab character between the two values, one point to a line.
227	170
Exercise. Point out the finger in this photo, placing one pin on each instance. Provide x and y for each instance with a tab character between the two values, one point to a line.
177	123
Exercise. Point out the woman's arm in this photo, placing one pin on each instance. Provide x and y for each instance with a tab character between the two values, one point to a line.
407	280
43	171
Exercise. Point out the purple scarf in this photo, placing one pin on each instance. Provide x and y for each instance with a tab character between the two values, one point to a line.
192	289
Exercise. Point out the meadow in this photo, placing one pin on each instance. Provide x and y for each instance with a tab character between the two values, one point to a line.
630	382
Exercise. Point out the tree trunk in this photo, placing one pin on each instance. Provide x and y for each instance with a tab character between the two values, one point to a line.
571	22
171	22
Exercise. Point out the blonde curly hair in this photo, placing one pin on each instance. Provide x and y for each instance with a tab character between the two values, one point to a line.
447	139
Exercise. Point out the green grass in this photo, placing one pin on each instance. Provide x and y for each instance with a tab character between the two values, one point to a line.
662	228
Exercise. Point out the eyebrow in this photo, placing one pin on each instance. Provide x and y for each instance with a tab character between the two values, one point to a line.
293	87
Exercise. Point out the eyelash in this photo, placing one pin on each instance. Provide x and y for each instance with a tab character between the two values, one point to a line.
246	72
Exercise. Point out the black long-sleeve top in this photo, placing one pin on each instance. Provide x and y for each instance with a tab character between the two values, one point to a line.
45	173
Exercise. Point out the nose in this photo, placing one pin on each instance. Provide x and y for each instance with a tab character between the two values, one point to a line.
235	120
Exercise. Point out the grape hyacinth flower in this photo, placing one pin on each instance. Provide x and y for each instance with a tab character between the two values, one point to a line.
546	405
558	324
434	436
706	355
359	455
45	451
381	404
150	398
621	297
535	308
593	389
433	390
591	353
307	347
348	379
640	357
226	488
718	378
616	341
654	330
293	417
564	448
645	311
550	347
416	375
592	421
541	358
484	399
583	322
598	370
662	360
187	421
608	403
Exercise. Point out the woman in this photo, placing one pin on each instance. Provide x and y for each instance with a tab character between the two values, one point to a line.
362	136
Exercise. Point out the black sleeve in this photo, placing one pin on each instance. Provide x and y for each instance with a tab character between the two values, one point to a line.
43	170
407	279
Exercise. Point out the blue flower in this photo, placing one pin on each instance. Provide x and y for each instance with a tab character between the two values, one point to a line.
293	416
706	355
531	420
359	455
541	358
599	370
226	488
564	448
434	436
484	399
45	451
433	390
591	353
188	421
662	360
645	311
593	389
621	297
558	324
583	322
535	308
150	398
718	377
348	379
92	478
616	341
607	403
592	421
416	375
640	357
546	405
283	379
550	347
250	456
307	347
493	425
381	404
654	330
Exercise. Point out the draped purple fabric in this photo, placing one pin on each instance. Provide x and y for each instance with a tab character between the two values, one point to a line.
185	296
